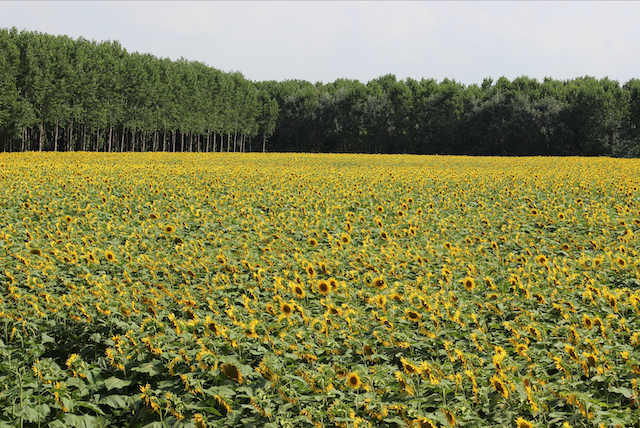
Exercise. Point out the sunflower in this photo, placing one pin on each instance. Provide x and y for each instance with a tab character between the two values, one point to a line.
542	259
413	315
451	418
621	262
588	323
333	283
522	423
379	208
592	360
424	423
297	290
499	385
286	309
169	229
110	256
36	251
199	421
469	283
384	235
379	283
310	271
408	367
345	238
68	219
571	351
313	242
561	216
323	287
231	372
353	380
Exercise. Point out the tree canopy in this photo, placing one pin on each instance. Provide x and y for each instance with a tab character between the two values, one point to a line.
61	94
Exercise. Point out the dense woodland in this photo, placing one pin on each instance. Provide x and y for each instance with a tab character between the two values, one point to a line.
61	94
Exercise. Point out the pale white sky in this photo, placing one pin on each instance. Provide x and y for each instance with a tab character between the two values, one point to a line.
327	40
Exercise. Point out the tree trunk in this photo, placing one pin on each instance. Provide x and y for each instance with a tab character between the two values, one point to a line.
55	137
235	139
264	143
110	135
164	139
40	138
181	141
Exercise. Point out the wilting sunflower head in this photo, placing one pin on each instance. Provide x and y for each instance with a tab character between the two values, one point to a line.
231	372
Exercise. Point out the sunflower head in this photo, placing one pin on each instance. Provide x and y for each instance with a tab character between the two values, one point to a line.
379	283
522	423
110	256
412	315
424	423
231	372
353	380
297	290
323	287
313	242
286	309
469	283
169	228
499	385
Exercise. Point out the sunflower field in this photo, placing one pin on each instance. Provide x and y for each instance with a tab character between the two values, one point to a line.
305	290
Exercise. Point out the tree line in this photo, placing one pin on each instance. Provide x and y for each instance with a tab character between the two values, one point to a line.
61	94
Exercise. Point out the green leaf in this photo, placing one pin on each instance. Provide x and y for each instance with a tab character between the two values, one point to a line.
115	401
115	383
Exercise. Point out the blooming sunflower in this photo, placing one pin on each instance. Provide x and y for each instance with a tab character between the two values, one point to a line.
499	385
424	423
353	380
297	290
469	283
110	256
286	309
313	242
522	423
323	287
379	283
451	418
169	228
413	315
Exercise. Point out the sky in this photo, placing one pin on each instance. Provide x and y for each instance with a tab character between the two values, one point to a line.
326	40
